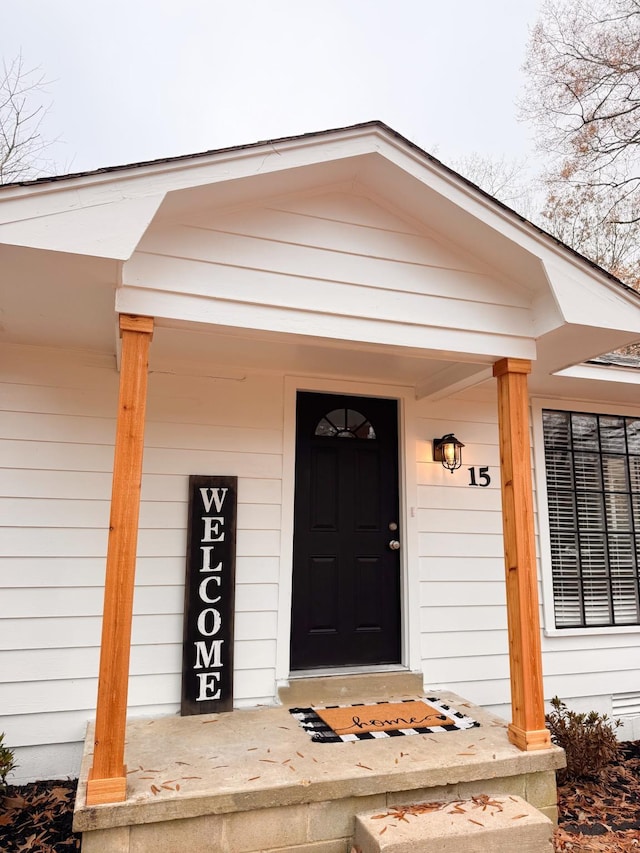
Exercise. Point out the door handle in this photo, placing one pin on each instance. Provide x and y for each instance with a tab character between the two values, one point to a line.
394	545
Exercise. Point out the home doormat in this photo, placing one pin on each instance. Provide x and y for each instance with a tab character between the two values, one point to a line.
342	723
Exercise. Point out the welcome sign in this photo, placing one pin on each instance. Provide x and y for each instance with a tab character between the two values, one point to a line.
207	652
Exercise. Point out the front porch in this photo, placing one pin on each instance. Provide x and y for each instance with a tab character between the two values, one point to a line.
252	780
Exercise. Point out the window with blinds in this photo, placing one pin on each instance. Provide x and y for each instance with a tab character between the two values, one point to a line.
593	486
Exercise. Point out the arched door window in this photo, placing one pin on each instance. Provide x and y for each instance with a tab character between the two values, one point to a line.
345	423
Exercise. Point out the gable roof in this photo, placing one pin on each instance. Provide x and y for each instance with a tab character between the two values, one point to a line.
316	135
78	239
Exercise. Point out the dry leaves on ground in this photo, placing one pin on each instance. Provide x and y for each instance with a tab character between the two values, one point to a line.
37	818
603	815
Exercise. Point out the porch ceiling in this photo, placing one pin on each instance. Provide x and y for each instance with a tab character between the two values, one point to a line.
224	351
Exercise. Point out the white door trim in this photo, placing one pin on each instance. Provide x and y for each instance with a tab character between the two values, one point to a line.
409	564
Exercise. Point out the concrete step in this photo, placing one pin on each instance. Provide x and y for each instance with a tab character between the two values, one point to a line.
342	689
481	824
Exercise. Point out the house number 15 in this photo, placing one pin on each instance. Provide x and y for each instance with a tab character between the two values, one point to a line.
482	478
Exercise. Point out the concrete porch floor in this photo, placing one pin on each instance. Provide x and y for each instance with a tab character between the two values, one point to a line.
252	780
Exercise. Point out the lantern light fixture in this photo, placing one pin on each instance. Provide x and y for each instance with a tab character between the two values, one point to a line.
448	450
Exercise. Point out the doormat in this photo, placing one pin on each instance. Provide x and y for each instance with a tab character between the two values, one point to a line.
342	723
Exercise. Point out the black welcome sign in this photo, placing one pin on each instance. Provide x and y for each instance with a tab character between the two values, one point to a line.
207	651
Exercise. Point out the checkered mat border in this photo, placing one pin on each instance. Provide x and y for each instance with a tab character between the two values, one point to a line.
320	732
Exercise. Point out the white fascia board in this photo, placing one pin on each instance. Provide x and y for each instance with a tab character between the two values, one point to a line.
195	308
602	373
79	225
106	214
202	169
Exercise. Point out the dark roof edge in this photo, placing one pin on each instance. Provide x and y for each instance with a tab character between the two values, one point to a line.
376	123
616	359
178	158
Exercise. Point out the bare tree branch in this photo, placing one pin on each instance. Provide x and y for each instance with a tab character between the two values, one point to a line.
583	97
22	146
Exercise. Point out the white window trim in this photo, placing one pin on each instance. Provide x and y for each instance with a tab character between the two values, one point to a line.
544	537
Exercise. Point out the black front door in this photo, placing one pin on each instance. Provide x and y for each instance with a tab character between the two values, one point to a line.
346	567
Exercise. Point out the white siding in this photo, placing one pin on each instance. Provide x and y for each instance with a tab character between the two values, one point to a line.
57	426
56	445
462	593
334	265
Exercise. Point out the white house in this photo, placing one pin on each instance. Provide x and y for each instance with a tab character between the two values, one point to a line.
289	294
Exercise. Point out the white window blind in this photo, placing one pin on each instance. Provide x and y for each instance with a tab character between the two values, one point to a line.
593	486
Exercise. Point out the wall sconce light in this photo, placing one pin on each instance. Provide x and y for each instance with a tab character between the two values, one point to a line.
448	450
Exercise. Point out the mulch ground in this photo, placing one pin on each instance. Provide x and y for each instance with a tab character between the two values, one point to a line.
603	815
598	816
37	818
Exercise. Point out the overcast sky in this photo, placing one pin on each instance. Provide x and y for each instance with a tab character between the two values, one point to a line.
137	79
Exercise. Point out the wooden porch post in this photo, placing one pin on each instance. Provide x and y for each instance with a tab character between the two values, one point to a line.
107	778
527	730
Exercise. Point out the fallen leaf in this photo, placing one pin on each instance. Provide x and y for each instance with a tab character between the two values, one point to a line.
14	802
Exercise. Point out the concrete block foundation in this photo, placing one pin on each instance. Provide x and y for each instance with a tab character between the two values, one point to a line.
250	781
